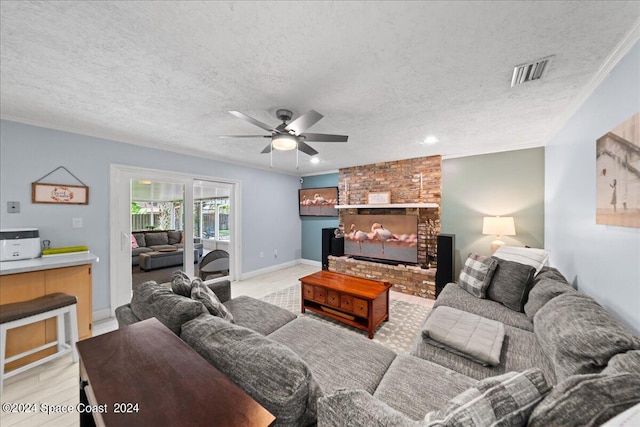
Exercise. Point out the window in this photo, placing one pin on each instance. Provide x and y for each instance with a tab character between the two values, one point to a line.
211	218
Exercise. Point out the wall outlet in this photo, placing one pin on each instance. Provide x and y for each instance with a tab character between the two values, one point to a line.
77	223
261	254
13	207
275	253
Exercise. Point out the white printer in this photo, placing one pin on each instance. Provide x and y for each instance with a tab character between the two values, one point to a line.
19	243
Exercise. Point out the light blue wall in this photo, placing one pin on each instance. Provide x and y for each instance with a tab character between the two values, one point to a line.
506	184
602	260
269	200
312	226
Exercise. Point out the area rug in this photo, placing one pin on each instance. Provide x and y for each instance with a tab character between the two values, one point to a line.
398	334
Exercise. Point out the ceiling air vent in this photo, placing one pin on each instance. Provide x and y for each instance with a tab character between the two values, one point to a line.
530	71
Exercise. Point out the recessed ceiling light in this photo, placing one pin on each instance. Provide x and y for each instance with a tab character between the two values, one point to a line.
430	140
314	160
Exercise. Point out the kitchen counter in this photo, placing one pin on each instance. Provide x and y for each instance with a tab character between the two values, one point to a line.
46	263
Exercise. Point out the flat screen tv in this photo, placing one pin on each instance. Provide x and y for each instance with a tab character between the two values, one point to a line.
318	201
382	237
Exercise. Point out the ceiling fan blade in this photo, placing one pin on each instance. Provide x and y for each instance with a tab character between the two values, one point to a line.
304	122
324	137
306	149
258	123
267	149
244	136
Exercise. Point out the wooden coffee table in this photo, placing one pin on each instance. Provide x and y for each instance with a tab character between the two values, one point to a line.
144	375
361	303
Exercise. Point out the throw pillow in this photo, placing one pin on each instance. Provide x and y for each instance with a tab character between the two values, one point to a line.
476	274
536	258
134	242
543	292
153	300
510	284
586	342
181	283
587	400
506	399
201	292
174	237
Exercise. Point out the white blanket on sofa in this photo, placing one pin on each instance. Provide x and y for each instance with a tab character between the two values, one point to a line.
466	334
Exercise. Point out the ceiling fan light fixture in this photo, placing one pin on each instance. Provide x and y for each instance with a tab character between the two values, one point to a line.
284	142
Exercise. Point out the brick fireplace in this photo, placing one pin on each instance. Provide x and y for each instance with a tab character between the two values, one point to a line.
409	181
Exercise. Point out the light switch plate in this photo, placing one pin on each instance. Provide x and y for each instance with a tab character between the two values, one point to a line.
77	222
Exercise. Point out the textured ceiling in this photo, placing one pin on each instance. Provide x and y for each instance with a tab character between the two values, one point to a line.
164	74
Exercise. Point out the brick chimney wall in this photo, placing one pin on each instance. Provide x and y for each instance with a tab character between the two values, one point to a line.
416	180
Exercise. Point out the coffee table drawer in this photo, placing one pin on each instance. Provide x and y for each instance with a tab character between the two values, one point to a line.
360	307
333	298
346	302
308	291
319	294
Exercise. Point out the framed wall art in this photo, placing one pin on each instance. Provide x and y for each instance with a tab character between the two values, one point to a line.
618	175
59	193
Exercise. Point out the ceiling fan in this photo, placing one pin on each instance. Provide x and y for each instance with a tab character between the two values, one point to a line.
289	136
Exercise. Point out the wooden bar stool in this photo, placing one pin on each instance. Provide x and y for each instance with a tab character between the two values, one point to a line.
59	305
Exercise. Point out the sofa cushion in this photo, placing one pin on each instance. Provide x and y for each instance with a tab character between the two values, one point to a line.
181	283
140	239
520	351
624	362
587	400
578	335
269	372
415	386
156	239
511	284
467	334
454	296
200	292
536	258
337	357
543	292
152	300
174	237
503	400
476	274
257	315
357	408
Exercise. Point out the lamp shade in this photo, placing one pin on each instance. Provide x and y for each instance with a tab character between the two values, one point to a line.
499	225
284	142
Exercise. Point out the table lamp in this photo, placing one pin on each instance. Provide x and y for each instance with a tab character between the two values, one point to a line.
500	226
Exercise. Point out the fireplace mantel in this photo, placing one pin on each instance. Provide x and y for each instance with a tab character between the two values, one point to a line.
390	206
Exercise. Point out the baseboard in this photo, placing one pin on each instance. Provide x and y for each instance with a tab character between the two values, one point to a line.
105	313
310	262
254	273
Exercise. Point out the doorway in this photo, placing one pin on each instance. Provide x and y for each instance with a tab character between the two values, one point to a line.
204	209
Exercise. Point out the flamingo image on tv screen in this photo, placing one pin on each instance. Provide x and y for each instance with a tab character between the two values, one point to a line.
384	237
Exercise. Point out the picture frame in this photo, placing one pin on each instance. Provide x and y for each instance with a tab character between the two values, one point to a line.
318	201
379	198
59	194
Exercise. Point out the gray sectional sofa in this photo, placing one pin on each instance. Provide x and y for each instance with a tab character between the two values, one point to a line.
564	361
155	241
